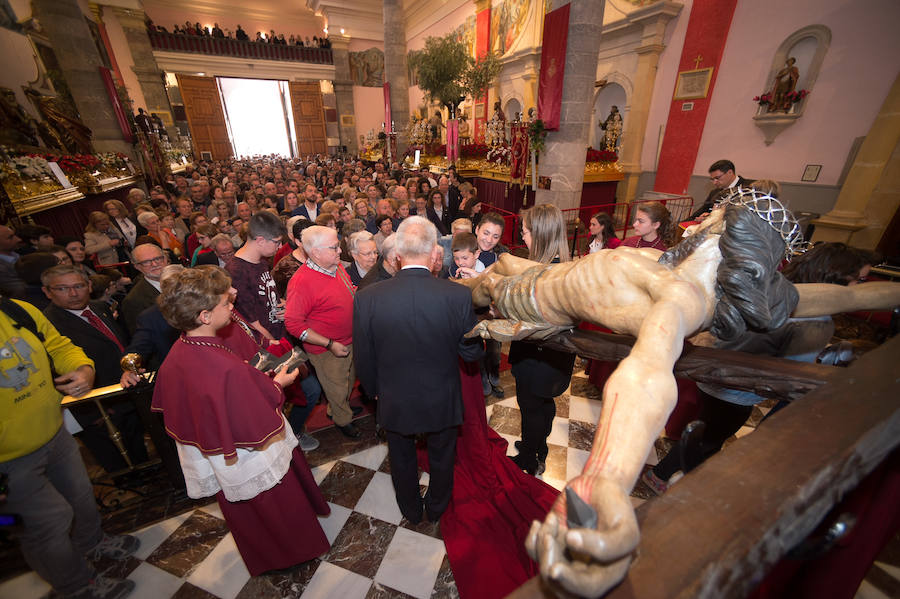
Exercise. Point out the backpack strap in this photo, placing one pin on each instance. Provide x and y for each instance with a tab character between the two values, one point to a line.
20	317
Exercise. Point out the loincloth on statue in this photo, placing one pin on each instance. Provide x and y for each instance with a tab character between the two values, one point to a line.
515	295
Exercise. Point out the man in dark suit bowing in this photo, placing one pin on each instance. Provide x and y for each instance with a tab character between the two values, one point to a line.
150	260
407	335
91	326
724	179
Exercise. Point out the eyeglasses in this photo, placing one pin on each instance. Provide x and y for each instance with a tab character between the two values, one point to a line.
149	261
68	288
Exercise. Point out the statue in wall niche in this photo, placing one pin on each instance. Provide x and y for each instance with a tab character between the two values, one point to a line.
74	135
785	83
612	127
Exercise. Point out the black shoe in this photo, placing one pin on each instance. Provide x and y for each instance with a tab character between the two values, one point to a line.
541	468
518	445
522	462
350	430
498	392
357	410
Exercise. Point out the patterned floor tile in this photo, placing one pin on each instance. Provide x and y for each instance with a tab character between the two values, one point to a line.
286	584
332	582
223	573
361	544
506	420
370	458
345	483
445	585
411	563
379	500
581	434
189	545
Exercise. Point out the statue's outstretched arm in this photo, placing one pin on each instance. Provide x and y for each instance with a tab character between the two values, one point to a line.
637	399
820	299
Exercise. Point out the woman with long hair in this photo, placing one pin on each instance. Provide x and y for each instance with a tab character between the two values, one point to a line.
603	233
653	227
469	205
437	213
540	373
120	218
423	186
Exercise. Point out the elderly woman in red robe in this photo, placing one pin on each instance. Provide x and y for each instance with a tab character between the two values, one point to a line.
232	438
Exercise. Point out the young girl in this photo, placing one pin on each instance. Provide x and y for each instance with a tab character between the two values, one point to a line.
653	225
603	234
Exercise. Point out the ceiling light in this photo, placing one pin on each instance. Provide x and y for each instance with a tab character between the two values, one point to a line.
342	31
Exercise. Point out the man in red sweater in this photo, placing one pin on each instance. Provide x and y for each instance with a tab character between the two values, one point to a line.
319	312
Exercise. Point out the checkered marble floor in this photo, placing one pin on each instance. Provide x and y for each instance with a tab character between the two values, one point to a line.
375	552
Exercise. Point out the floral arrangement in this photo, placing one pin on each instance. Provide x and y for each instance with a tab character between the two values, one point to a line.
794	97
499	154
31	166
74	164
600	156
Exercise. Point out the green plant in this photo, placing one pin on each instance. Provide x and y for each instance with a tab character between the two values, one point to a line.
536	136
447	73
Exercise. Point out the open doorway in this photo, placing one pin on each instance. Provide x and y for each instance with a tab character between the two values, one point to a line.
258	115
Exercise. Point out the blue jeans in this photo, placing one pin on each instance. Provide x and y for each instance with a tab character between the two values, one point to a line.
50	489
313	391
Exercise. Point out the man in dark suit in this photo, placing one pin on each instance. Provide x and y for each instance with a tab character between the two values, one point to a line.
150	260
309	209
385	267
408	335
724	179
91	326
221	254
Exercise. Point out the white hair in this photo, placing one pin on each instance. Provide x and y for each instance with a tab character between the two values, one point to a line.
358	238
416	236
314	237
389	248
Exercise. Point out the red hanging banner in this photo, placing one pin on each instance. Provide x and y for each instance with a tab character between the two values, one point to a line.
553	66
518	153
387	108
452	140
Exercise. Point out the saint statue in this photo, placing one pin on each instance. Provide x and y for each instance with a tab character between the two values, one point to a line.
613	128
17	127
464	129
498	113
785	83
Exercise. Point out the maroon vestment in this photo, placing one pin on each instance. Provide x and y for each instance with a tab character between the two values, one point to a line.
212	399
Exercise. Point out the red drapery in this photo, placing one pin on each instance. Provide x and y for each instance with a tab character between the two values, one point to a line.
553	66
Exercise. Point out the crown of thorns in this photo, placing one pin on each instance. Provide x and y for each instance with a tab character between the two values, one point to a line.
774	213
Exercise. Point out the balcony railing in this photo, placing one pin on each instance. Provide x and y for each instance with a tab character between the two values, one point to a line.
168	42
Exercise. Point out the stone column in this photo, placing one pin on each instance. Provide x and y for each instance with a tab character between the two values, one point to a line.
564	157
870	195
343	90
79	60
149	77
395	69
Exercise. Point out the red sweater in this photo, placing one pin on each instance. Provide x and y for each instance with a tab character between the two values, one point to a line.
322	303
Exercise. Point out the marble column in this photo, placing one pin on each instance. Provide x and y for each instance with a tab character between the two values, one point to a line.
564	157
343	90
65	27
871	194
395	71
149	76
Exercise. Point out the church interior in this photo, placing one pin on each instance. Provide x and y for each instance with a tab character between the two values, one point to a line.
596	107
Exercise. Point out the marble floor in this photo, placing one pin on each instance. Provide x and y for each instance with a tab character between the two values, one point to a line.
187	550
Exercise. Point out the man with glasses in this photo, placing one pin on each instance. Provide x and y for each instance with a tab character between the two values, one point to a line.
724	179
150	260
91	326
319	312
221	254
257	298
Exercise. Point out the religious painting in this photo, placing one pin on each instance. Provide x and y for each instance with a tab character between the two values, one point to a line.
479	110
507	21
367	68
693	84
465	33
347	120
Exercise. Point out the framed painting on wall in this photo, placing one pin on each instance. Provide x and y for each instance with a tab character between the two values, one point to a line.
693	84
347	120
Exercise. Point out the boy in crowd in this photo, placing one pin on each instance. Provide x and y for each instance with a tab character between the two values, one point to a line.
465	256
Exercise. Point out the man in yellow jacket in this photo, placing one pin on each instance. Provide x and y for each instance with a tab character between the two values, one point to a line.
46	481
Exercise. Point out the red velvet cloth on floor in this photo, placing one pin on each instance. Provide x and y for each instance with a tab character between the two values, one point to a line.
278	528
493	505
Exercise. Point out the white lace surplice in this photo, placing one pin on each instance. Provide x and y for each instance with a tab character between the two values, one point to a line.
254	471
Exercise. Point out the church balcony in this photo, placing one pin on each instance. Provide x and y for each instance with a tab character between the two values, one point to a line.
168	42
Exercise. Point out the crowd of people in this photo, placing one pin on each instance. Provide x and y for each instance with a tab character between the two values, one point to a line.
240	258
195	29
